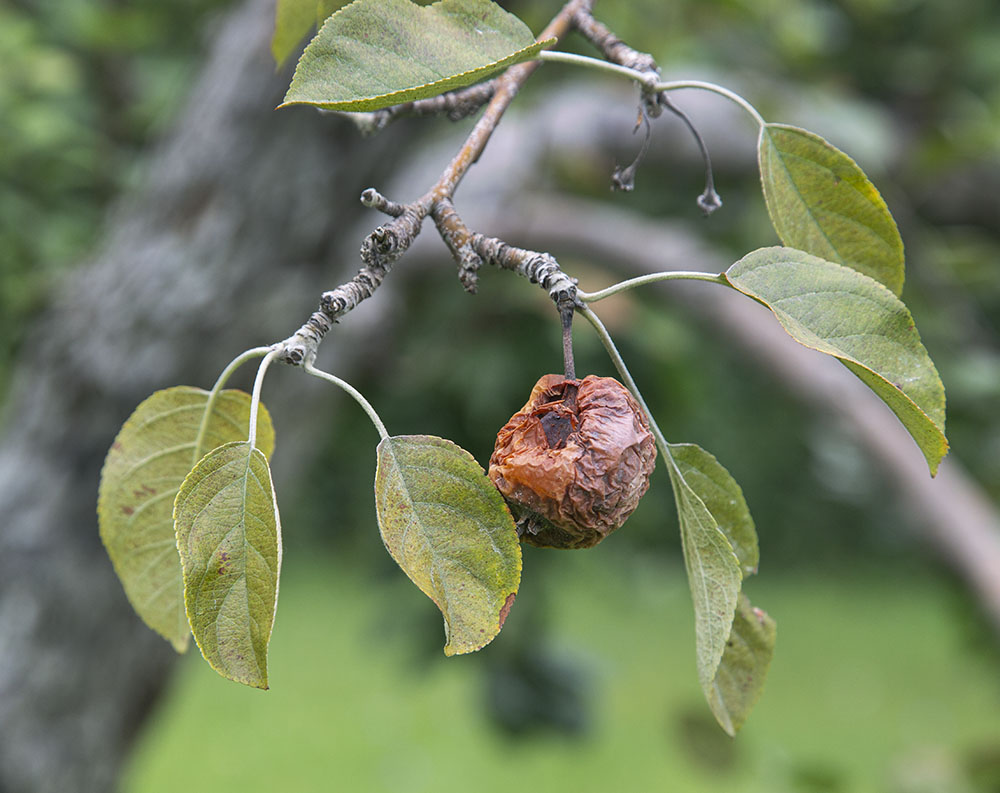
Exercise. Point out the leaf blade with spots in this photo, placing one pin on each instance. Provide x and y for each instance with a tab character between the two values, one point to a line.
450	531
229	540
377	53
142	473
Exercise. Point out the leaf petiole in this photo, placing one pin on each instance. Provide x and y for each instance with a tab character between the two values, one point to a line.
358	397
258	382
648	79
652	278
220	383
732	96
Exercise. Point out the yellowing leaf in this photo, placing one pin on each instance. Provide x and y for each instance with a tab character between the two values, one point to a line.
143	471
229	539
448	527
376	53
839	311
821	202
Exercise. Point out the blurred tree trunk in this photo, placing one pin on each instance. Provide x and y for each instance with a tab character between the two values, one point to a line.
226	244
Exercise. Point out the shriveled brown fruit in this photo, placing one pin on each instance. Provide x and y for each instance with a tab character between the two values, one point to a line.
574	461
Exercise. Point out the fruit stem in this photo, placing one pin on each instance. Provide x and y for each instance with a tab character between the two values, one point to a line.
566	313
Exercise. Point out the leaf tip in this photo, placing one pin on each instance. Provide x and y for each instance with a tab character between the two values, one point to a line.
259	683
452	648
933	464
935	456
465	647
253	679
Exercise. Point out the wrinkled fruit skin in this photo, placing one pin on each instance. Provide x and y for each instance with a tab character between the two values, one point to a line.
574	461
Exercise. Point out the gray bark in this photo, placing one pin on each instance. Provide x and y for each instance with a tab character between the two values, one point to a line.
227	244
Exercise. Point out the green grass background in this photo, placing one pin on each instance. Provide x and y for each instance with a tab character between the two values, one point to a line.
876	686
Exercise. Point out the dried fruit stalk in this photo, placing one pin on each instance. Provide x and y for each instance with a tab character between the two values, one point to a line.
574	461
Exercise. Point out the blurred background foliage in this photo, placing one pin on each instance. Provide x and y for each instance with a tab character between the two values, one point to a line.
85	87
885	677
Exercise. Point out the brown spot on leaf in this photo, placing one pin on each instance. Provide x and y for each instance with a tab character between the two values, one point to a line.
127	510
506	608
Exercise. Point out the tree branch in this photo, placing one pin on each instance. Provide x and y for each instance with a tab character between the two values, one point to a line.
387	243
610	46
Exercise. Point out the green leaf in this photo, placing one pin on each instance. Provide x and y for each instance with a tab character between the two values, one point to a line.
376	53
143	471
740	678
734	648
843	313
821	202
229	538
293	19
714	576
448	527
722	497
